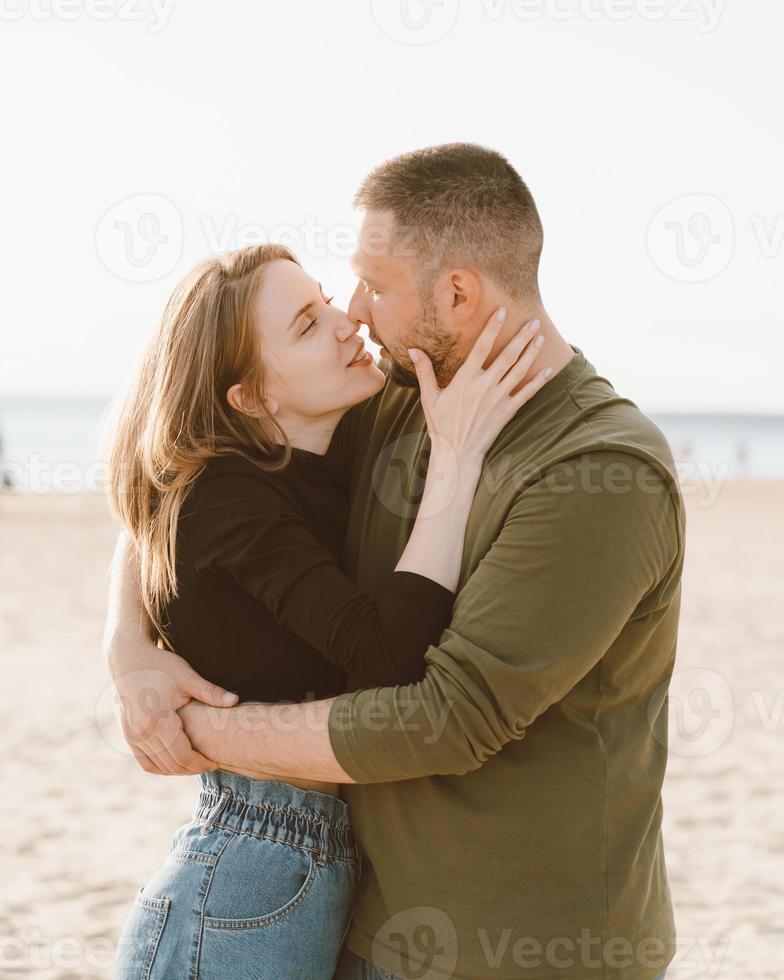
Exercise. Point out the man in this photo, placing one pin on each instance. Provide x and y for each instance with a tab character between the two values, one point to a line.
508	805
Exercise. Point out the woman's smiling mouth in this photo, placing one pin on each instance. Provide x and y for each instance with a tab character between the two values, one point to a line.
362	357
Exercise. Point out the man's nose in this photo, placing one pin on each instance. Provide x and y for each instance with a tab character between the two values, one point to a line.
359	308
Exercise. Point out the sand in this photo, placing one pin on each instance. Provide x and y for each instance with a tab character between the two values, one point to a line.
83	826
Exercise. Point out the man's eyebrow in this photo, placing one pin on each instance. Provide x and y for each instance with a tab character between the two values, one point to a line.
304	309
366	279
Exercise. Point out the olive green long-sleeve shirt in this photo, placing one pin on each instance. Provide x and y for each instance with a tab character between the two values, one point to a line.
508	805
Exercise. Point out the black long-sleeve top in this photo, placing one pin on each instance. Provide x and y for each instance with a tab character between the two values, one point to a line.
263	606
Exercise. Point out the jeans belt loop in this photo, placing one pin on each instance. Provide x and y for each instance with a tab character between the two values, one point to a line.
323	853
216	811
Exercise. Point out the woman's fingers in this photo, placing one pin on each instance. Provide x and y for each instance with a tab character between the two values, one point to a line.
141	751
158	746
462	416
186	757
527	392
172	749
164	764
163	751
167	753
484	342
522	367
428	386
147	763
520	342
193	684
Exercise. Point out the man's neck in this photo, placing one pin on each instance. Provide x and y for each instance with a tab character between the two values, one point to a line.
555	353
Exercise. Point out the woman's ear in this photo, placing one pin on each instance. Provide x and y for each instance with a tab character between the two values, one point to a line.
237	397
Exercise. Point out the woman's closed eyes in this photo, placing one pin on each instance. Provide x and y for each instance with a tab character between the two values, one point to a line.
313	321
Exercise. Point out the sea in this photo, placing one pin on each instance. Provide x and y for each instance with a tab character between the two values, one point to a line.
57	445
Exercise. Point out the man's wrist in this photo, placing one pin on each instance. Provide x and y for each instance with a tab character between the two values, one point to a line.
219	733
284	739
240	743
199	726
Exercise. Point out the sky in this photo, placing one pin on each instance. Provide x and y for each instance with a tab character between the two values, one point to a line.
144	135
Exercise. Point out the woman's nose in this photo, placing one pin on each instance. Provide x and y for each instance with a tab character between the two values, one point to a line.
346	328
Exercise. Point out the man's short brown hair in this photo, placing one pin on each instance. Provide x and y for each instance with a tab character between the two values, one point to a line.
460	203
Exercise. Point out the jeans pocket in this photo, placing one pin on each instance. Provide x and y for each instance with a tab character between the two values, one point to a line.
300	938
257	882
140	937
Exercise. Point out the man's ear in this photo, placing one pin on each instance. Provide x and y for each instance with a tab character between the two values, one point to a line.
463	289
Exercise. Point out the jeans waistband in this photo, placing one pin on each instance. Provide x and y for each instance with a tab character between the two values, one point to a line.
276	811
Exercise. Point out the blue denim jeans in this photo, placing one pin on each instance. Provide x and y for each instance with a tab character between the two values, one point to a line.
257	886
353	967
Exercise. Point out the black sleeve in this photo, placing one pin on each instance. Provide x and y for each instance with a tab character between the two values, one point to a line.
244	528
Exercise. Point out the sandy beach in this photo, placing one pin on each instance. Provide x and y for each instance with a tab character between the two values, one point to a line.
83	826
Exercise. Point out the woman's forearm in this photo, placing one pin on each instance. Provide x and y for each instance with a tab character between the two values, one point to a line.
126	618
435	547
463	420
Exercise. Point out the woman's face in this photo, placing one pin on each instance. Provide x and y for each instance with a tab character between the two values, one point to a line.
307	347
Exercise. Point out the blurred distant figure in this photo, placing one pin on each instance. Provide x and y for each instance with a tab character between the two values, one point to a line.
742	455
6	480
684	452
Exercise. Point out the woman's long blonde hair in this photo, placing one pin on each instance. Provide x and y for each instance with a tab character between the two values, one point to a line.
176	416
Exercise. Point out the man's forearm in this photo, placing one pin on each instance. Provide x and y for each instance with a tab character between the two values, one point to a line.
286	740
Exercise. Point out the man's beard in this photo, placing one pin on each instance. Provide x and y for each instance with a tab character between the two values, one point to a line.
402	376
432	337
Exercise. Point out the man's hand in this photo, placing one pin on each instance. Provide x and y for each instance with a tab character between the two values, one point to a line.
151	684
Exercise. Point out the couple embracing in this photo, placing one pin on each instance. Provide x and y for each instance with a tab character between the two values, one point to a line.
411	623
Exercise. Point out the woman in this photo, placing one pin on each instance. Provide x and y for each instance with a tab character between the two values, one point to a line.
219	470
